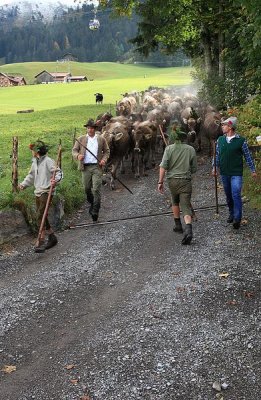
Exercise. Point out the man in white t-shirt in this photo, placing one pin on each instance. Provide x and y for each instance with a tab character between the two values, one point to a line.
92	152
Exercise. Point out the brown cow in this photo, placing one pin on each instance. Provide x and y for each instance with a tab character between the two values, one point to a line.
190	123
144	137
211	129
119	141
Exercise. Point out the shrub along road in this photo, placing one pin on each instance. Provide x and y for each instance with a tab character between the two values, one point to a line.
124	311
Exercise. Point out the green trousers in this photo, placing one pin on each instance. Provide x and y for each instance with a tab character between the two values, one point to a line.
92	181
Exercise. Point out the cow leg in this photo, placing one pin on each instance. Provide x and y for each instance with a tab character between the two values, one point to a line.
146	160
199	143
211	148
137	164
122	167
153	153
133	162
113	174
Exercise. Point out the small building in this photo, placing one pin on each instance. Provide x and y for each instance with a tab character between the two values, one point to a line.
10	80
52	77
78	78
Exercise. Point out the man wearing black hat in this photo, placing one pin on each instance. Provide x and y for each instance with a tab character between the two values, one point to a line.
41	176
92	152
179	162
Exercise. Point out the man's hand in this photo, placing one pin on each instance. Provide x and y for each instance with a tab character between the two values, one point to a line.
254	175
53	182
80	157
160	187
102	163
20	187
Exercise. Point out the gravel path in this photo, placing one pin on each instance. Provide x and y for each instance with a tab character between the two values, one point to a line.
124	311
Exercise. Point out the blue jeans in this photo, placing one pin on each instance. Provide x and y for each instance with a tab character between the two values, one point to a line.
232	187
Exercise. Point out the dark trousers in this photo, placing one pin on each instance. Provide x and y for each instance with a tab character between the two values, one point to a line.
40	207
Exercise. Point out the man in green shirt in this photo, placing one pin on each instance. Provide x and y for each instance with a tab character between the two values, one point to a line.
179	162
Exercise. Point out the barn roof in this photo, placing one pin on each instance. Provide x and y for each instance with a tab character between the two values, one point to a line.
59	74
42	73
78	77
15	79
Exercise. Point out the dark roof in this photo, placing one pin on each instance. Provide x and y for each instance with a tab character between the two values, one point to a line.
42	72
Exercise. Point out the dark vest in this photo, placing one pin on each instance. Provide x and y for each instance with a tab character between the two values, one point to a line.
231	156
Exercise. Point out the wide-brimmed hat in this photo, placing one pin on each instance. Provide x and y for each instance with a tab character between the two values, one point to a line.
231	121
90	123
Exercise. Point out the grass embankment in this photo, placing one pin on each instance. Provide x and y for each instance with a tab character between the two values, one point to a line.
250	127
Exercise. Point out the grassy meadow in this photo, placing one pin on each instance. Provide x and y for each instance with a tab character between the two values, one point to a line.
60	110
111	79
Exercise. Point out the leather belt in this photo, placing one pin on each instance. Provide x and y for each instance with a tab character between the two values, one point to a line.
86	165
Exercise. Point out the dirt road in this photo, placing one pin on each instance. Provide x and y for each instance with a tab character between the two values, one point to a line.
124	311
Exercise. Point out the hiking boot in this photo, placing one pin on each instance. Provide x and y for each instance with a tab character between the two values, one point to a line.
230	219
236	224
52	241
95	217
178	227
40	248
188	234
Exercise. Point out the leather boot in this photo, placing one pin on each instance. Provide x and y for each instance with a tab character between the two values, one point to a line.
230	219
41	247
178	226
188	234
52	241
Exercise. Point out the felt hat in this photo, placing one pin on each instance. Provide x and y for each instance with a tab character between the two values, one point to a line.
90	123
39	147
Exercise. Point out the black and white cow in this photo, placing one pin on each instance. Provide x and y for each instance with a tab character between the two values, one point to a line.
98	98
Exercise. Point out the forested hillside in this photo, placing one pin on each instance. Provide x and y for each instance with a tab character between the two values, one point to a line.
38	39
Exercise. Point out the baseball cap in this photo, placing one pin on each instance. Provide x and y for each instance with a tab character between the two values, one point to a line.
231	121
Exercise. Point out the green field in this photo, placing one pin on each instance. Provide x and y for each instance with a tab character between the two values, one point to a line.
111	79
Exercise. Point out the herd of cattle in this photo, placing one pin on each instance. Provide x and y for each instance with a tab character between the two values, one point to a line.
142	121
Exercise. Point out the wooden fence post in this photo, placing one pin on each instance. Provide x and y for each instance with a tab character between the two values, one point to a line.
15	165
60	158
74	136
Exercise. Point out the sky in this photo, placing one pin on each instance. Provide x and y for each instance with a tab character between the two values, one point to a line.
67	2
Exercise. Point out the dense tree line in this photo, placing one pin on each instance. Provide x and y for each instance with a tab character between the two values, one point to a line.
222	37
39	40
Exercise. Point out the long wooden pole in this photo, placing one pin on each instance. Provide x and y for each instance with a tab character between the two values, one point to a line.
162	135
215	177
49	197
112	221
15	165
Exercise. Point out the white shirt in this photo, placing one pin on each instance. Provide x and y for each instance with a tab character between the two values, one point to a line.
92	145
229	138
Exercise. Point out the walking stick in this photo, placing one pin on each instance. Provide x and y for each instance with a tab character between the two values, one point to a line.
49	197
215	176
123	184
162	135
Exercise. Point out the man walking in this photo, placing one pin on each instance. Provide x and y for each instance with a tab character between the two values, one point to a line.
230	149
41	176
92	152
179	162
